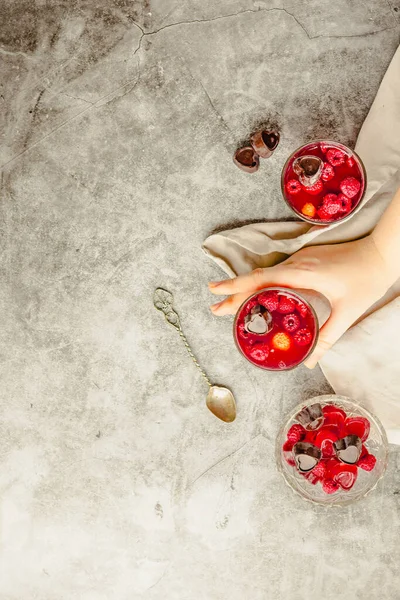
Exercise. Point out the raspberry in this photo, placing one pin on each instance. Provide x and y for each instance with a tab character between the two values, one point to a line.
302	337
331	204
260	354
350	161
320	470
302	308
324	147
345	202
288	454
296	433
328	172
269	299
242	332
250	304
358	426
367	462
308	210
281	341
291	322
315	189
329	486
350	187
336	157
344	475
286	305
293	186
324	215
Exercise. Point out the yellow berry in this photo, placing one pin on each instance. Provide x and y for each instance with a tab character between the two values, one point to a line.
308	210
281	341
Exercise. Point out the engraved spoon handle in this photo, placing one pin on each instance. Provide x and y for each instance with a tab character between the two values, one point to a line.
163	301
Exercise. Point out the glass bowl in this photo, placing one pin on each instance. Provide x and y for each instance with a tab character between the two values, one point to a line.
302	200
311	490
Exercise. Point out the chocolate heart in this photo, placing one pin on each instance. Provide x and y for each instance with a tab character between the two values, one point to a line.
246	159
348	449
306	455
309	169
264	142
258	321
311	417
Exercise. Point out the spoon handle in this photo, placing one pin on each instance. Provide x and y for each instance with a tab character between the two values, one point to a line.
163	301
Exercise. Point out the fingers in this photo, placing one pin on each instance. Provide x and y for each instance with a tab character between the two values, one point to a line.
283	274
337	324
230	305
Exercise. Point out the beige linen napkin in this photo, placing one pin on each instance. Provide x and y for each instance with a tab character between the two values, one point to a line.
365	363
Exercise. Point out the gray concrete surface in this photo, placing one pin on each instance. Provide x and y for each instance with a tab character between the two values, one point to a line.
118	121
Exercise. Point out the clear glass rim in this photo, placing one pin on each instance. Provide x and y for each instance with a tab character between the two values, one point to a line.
314	221
294	293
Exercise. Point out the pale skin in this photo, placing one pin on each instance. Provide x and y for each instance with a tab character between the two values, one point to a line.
353	276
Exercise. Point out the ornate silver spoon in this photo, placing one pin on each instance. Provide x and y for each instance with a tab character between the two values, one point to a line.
220	401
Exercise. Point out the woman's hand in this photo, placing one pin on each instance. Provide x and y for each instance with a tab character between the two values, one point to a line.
352	276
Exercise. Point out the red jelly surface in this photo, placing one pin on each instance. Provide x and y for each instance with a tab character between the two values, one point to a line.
308	203
293	333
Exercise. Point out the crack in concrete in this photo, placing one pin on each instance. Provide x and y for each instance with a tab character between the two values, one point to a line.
266	10
76	98
225	458
170	25
18	53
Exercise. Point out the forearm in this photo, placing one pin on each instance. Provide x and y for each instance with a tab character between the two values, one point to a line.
386	237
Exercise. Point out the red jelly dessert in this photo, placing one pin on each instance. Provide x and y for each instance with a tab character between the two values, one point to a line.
276	329
323	182
330	444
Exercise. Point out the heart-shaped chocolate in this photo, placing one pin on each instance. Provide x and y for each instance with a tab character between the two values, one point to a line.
306	455
348	449
309	169
258	321
311	417
264	142
246	159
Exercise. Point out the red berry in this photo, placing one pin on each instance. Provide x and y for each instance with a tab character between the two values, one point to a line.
324	147
328	408
350	187
344	475
329	486
296	433
259	353
331	204
357	426
286	305
345	203
328	172
367	462
315	189
302	337
288	454
291	322
269	299
350	161
250	304
320	470
336	157
302	308
335	418
293	186
323	215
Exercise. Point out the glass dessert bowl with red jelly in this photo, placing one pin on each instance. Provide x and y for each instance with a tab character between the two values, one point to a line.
323	182
331	450
276	329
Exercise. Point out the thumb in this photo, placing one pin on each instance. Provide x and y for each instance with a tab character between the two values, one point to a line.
337	324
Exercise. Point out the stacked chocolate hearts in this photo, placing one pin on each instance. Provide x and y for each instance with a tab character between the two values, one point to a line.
326	446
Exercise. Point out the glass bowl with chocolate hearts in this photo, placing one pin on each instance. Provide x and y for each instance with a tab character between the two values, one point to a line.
323	182
276	329
332	451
